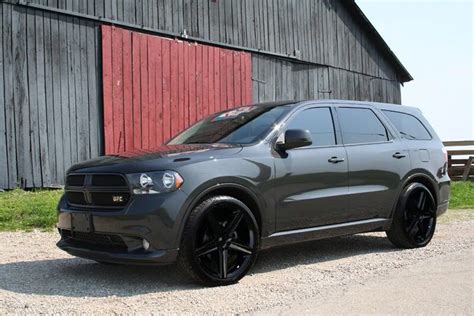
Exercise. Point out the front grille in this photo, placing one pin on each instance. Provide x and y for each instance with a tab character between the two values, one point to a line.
106	198
95	241
76	198
108	181
75	180
98	191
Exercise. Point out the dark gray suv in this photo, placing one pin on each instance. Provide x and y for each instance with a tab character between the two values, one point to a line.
255	177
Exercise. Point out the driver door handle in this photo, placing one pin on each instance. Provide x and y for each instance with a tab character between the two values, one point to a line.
335	160
398	155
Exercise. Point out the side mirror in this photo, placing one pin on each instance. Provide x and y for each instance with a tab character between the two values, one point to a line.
295	138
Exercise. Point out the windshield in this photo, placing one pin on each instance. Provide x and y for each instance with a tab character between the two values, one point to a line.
243	125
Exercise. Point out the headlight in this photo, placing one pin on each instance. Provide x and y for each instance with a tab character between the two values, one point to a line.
155	182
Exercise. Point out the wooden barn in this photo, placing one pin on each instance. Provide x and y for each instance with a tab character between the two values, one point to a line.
83	78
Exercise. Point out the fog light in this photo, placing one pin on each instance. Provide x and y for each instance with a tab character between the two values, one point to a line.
146	244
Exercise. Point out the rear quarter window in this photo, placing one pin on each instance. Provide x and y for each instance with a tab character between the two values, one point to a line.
408	125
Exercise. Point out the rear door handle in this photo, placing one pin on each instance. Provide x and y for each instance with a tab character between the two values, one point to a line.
335	159
398	155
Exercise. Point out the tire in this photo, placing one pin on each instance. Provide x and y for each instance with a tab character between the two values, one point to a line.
220	242
414	220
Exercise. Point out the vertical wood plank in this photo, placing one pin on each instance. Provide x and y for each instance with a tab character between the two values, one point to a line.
127	90
145	129
174	110
9	88
165	49
83	117
107	88
43	122
159	90
3	132
192	83
205	80
181	119
198	81
136	90
152	119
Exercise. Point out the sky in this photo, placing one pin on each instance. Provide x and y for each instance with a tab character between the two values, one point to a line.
434	40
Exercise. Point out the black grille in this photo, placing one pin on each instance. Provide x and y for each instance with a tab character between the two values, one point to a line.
103	191
75	180
107	199
76	198
108	181
95	241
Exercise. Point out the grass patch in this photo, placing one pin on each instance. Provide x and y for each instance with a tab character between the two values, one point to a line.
462	195
28	210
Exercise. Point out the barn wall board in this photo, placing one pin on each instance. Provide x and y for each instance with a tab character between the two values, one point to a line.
155	87
50	107
327	32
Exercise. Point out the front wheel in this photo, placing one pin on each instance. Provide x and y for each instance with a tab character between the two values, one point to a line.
220	241
414	221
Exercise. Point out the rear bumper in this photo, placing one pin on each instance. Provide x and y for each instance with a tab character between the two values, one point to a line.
150	258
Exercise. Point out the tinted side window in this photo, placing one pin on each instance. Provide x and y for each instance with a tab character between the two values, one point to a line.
361	126
408	125
318	121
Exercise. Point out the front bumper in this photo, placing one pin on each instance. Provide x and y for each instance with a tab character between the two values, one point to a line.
442	208
155	257
117	235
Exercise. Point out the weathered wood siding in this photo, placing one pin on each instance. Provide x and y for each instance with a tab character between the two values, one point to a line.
278	79
50	107
154	87
319	31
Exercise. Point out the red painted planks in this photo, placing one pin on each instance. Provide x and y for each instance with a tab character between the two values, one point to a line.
117	90
158	91
152	122
144	92
127	90
154	87
174	88
165	52
136	97
181	113
192	83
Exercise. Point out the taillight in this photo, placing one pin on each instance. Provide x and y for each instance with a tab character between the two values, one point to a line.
444	169
445	152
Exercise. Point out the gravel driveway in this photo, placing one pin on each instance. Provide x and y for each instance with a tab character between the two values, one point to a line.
35	277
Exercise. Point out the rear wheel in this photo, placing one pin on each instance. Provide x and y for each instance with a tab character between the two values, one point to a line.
414	221
220	241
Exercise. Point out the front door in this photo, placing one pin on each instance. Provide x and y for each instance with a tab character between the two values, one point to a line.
311	182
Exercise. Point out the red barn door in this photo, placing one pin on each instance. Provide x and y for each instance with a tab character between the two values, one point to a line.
154	87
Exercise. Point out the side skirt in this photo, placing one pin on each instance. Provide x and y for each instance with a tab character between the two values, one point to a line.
321	232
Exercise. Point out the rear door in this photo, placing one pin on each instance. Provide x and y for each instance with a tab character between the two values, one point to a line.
377	161
311	182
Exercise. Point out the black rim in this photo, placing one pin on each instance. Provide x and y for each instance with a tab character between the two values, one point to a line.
225	242
420	216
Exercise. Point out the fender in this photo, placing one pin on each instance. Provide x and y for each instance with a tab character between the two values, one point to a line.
416	173
214	184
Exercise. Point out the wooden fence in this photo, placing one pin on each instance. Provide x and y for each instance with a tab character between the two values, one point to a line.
460	161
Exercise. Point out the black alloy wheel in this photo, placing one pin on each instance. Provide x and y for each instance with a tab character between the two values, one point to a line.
414	220
220	241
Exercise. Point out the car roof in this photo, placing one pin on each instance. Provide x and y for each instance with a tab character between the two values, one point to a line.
348	103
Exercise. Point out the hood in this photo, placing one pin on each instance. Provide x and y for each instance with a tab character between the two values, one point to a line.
163	157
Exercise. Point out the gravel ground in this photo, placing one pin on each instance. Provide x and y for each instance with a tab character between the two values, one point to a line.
35	277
